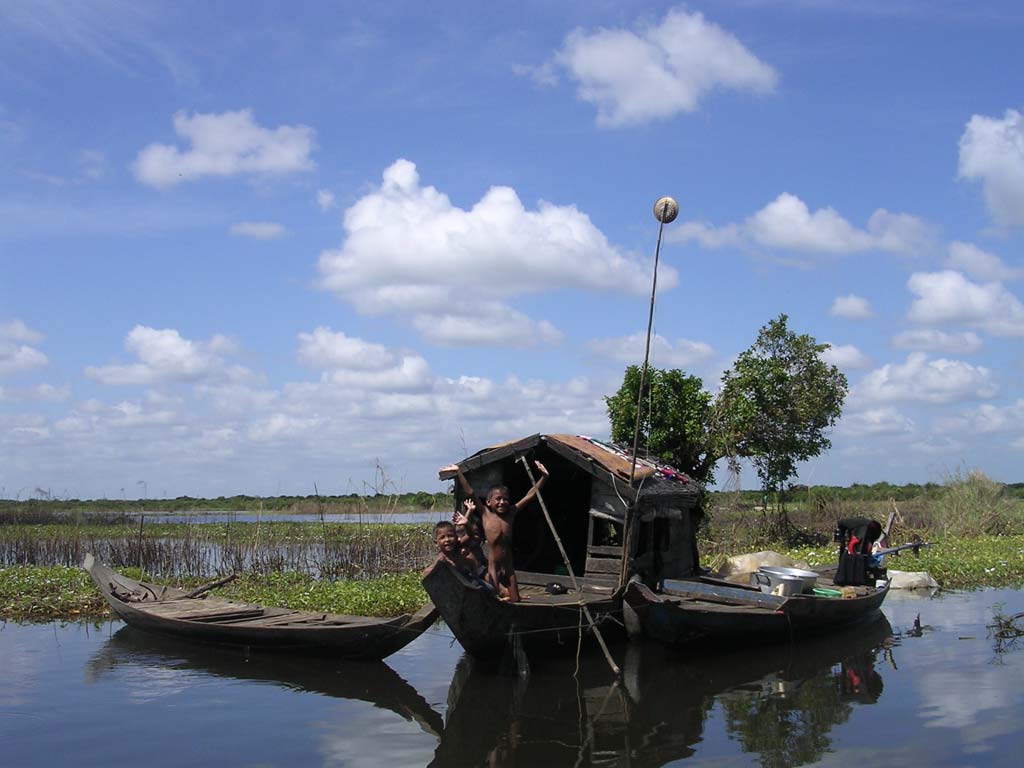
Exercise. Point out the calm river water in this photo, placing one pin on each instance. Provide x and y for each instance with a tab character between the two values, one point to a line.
899	692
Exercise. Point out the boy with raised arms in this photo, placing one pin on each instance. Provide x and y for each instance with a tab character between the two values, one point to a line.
498	514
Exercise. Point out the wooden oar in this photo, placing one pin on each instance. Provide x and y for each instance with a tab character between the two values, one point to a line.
207	587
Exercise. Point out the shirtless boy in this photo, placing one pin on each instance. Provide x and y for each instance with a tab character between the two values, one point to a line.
469	531
498	515
448	547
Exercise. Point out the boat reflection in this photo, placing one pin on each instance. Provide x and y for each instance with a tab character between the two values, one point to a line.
372	682
780	702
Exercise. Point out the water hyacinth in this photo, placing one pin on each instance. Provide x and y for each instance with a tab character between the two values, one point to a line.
40	593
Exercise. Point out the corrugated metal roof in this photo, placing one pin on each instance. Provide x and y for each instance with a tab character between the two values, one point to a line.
652	478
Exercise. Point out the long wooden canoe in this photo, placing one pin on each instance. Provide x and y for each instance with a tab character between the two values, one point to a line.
211	619
712	612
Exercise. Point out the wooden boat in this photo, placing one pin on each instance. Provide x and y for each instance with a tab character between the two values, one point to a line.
212	619
712	611
488	627
621	539
588	498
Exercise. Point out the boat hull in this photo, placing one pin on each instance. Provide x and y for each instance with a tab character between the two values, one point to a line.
488	627
678	620
168	611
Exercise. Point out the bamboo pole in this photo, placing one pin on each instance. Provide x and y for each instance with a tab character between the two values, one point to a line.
572	575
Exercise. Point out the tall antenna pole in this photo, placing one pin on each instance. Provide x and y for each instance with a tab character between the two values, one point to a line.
665	211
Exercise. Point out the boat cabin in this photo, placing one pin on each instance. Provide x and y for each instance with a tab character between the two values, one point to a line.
591	501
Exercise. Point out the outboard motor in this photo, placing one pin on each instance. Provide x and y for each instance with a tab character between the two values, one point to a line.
855	536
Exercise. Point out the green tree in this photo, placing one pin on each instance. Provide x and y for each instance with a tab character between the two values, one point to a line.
676	423
774	408
779	400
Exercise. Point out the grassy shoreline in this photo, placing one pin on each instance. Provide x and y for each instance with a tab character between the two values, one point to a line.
46	593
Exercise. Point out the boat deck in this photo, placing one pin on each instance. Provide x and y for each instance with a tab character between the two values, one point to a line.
533	589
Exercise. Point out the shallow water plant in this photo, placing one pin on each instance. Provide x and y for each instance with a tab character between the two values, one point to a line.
43	593
34	593
332	550
388	595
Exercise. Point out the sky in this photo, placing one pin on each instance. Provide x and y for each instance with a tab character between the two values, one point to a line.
269	247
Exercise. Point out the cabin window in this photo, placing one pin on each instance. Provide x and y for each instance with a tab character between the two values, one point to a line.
606	533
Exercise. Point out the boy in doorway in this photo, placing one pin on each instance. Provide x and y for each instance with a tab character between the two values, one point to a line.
498	514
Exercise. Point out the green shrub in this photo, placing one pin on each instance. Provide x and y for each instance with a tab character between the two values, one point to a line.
972	504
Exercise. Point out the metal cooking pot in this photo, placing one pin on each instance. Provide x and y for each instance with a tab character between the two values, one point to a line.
809	578
776	584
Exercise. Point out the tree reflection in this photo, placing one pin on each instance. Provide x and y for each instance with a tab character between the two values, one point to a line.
790	723
780	702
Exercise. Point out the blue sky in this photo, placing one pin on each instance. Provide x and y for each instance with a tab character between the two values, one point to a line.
246	248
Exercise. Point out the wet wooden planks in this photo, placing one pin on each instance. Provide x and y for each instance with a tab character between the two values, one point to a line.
198	610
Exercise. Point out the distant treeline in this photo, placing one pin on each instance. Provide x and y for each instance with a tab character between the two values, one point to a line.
349	503
422	500
861	492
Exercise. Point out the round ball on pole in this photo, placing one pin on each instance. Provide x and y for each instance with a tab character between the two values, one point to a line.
666	210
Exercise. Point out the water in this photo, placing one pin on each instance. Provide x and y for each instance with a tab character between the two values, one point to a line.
408	518
898	692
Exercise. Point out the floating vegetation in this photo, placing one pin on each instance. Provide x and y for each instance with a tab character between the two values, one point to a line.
388	595
1006	631
43	594
34	593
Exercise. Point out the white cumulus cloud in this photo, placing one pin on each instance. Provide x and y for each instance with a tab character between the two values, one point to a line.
324	349
16	330
992	152
165	356
629	349
657	71
845	356
450	271
979	264
949	297
986	418
258	230
852	307
788	224
931	340
16	353
222	145
925	380
875	421
494	324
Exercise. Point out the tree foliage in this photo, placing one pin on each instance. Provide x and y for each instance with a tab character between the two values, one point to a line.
675	419
775	407
780	398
